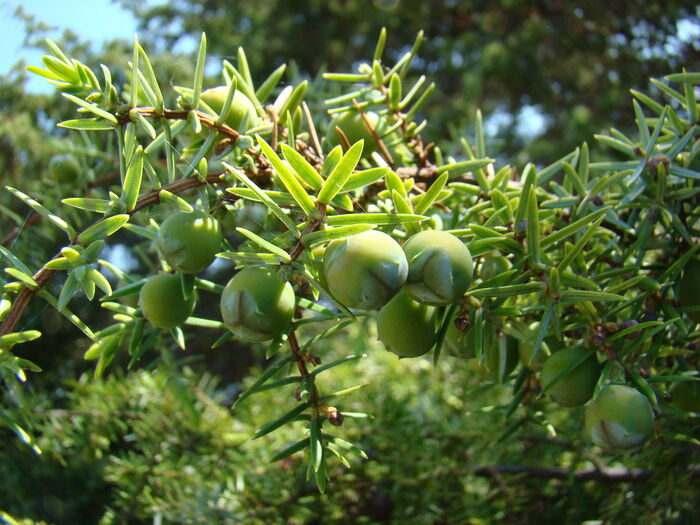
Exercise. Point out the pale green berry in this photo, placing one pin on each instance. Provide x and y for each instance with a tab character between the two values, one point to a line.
406	327
189	241
256	305
620	418
366	270
163	302
439	267
576	386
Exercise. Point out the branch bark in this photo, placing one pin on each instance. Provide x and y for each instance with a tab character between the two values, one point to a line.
615	475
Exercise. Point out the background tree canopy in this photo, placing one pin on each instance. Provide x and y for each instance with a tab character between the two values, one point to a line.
158	444
571	62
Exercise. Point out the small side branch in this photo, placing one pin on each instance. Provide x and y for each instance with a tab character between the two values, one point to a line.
205	118
44	275
614	475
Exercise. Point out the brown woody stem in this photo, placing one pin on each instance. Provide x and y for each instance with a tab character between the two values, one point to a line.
606	474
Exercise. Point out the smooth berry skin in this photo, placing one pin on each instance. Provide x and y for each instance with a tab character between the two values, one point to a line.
500	357
690	288
459	342
189	241
619	419
440	267
366	270
406	327
163	303
491	266
64	168
353	126
526	349
255	305
686	396
241	109
577	386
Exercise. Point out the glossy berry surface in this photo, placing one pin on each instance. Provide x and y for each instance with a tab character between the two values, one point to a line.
163	303
366	270
491	266
189	241
620	418
526	349
500	357
241	109
353	126
459	342
439	267
689	288
255	305
406	327
64	168
686	396
576	386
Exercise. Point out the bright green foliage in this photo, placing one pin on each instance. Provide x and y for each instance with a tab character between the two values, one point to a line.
366	270
497	55
439	267
406	327
570	375
620	418
163	302
256	305
189	241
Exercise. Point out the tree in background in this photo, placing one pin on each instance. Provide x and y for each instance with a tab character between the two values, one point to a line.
573	62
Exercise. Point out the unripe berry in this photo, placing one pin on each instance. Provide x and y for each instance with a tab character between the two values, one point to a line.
620	418
353	125
500	357
459	342
526	349
366	270
255	305
686	396
439	267
241	107
64	168
406	327
492	266
163	303
189	241
252	217
576	387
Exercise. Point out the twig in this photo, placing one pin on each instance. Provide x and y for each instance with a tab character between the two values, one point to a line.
312	130
170	114
44	275
33	219
377	139
607	474
312	227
